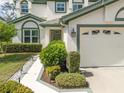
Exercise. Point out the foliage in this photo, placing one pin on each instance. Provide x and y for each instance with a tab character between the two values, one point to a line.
7	31
54	54
56	41
18	48
8	11
71	80
73	62
14	87
53	71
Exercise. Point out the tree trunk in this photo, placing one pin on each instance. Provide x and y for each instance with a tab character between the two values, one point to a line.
1	49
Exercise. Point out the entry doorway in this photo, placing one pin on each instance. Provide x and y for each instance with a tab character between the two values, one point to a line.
55	35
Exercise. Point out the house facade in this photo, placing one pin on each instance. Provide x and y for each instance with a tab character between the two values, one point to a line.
95	28
43	16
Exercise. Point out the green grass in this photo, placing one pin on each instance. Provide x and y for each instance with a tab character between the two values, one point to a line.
10	63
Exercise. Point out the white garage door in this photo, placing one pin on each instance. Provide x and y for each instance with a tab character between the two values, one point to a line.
102	46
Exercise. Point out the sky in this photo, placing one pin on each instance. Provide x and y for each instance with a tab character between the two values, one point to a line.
4	1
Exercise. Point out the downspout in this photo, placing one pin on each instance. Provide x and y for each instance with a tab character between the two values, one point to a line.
104	10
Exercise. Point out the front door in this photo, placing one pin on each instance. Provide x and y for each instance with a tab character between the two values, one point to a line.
56	35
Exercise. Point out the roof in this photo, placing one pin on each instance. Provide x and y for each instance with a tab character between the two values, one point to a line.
39	1
86	10
36	1
27	16
51	23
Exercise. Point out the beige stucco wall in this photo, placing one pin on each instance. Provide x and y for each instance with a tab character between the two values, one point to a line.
39	10
105	15
47	11
51	14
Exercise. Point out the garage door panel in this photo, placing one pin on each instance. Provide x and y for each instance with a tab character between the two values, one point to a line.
102	49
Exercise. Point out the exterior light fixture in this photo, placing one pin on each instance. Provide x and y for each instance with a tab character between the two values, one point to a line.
73	33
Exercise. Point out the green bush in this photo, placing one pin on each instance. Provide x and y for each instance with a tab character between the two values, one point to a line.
14	87
18	48
53	71
2	90
54	54
70	80
73	62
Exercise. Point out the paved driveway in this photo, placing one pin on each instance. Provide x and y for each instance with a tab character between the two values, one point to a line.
106	80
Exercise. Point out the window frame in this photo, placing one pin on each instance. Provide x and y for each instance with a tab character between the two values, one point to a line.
78	3
26	8
31	35
65	6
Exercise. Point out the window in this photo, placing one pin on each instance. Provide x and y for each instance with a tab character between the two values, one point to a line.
77	5
60	7
31	35
24	7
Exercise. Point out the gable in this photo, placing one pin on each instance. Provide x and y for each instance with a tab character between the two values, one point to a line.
26	17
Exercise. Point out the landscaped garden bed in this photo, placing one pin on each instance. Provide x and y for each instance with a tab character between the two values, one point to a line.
61	69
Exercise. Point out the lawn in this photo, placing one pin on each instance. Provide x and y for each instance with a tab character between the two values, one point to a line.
10	63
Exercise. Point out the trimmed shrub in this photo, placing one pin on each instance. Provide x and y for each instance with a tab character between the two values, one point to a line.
53	71
71	80
19	48
14	87
73	62
54	54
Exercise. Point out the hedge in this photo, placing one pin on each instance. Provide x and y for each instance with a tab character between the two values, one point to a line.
53	71
73	62
19	48
14	87
54	54
71	80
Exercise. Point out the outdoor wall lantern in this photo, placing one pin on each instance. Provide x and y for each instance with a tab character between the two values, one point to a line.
73	33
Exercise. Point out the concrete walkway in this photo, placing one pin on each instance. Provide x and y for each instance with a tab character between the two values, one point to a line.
106	80
30	80
20	74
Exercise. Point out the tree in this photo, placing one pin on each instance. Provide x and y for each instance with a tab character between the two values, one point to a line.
7	31
8	11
